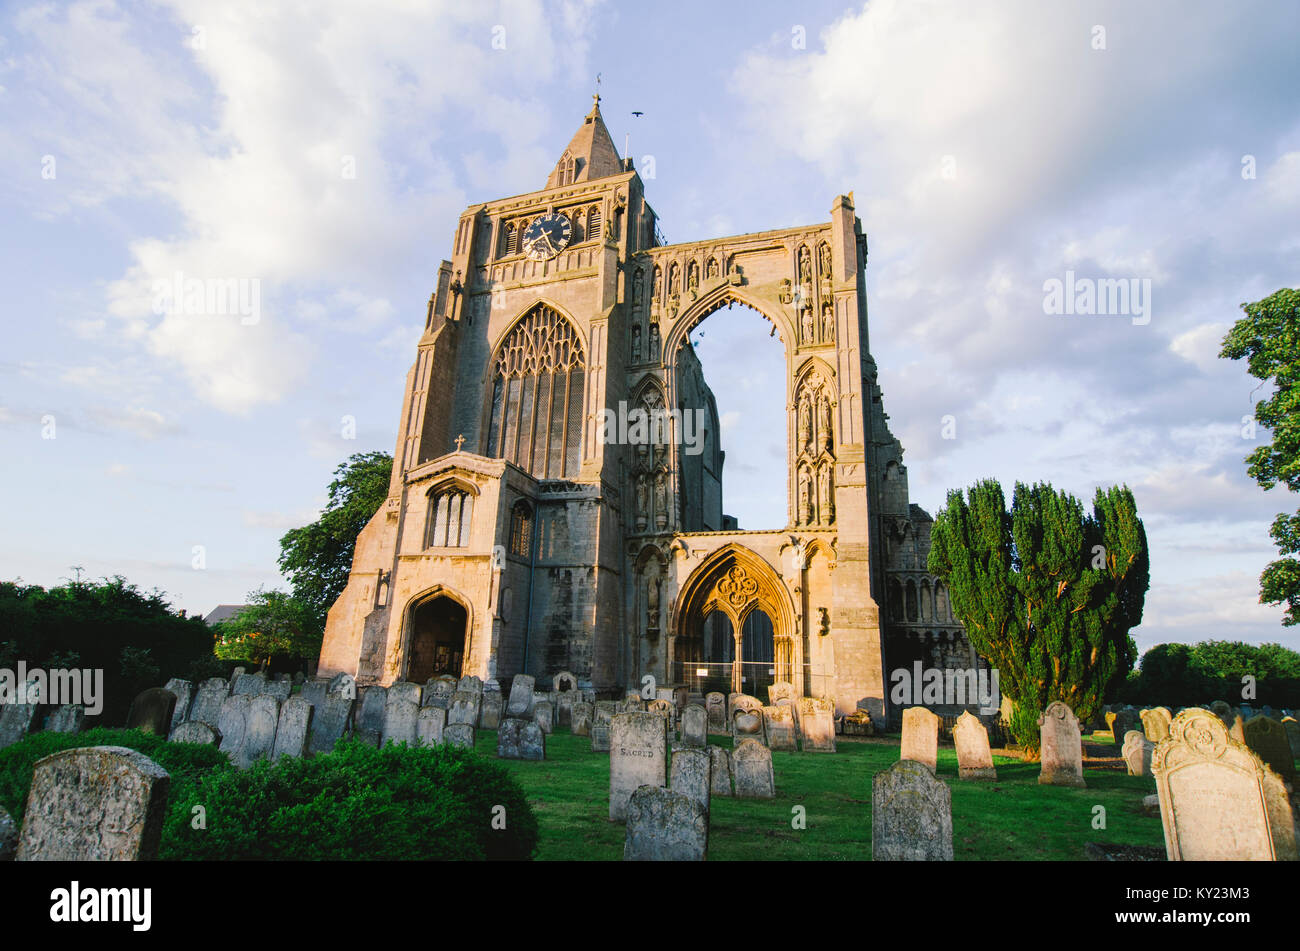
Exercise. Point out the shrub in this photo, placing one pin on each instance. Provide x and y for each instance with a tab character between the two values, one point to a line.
355	803
1024	727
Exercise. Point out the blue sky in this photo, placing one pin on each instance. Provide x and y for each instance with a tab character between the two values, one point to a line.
990	147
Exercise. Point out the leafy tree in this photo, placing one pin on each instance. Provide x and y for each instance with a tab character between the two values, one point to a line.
318	557
1046	592
1269	337
275	623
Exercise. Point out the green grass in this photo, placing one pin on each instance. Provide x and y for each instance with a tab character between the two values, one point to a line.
1013	818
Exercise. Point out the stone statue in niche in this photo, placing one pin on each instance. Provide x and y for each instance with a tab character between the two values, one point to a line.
652	603
654	343
673	304
805	424
828	323
656	279
826	507
642	501
711	269
806	325
804	486
636	286
785	293
661	500
636	344
824	423
805	266
672	279
826	260
825	621
693	278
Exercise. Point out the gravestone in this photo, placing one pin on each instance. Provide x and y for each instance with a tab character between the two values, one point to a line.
195	731
1061	746
459	734
781	690
631	703
1155	724
1214	804
1292	728
95	804
247	684
313	691
716	706
233	726
581	718
747	724
151	711
601	722
521	700
1125	719
1137	753
374	706
638	748
565	691
521	739
470	684
743	701
719	771
665	709
405	690
695	725
280	690
489	713
1237	729
331	720
464	708
184	691
429	724
817	724
345	685
665	826
263	721
911	815
921	737
690	774
69	718
1267	738
974	759
1281	817
1223	710
751	770
778	723
293	729
542	714
8	836
400	719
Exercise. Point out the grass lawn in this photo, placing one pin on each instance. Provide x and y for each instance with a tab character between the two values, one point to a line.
1012	818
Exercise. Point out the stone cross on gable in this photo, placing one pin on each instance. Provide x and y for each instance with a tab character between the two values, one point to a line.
459	441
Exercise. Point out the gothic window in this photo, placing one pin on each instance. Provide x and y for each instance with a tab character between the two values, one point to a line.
536	412
566	168
521	529
449	517
593	223
911	601
509	240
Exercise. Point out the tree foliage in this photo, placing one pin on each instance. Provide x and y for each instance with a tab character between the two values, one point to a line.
1047	592
1269	338
1191	674
318	557
273	624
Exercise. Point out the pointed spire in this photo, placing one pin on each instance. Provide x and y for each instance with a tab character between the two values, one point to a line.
591	153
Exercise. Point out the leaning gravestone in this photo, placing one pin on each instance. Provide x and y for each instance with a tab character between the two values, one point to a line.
716	705
601	721
690	774
719	771
211	695
638	748
374	705
464	708
1223	710
520	703
665	826
405	690
817	724
69	718
195	731
8	836
1137	753
1061	746
695	725
96	804
313	691
259	739
233	726
1155	724
778	722
911	815
280	690
580	718
751	770
295	724
250	684
665	709
400	718
459	734
542	716
489	714
331	720
1125	719
1267	739
470	684
184	691
429	726
520	739
151	711
974	759
1214	797
921	737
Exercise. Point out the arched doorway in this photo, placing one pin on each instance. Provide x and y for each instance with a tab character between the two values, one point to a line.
438	635
758	657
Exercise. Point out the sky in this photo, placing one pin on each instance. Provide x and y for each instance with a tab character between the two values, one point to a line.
322	152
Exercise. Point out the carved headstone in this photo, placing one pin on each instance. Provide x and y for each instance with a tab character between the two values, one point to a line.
95	804
1155	724
464	708
212	693
778	722
521	739
1137	753
817	724
405	690
470	684
719	771
429	724
974	759
665	826
601	721
294	728
716	706
459	734
259	738
921	737
542	716
1061	746
489	713
195	731
151	711
580	718
69	718
637	757
401	716
781	690
751	770
747	724
690	774
521	697
695	725
911	815
1213	799
233	726
1267	739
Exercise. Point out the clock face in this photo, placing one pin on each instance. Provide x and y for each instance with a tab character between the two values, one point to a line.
547	236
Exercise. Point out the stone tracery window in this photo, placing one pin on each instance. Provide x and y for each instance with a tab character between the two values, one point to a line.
521	529
536	415
450	509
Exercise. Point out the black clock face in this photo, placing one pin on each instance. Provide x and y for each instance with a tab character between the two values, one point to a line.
547	236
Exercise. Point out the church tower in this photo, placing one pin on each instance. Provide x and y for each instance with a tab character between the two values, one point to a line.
532	526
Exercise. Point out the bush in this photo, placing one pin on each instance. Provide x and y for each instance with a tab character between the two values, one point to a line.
1024	727
355	803
186	762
